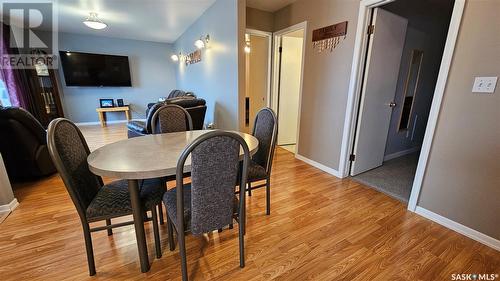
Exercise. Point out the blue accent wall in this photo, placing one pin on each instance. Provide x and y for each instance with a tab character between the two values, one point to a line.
215	78
152	72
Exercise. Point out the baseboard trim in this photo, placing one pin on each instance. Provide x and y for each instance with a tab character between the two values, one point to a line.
107	122
401	153
319	166
99	123
9	207
462	229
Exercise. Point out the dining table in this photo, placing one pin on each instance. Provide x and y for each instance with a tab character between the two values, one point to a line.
146	157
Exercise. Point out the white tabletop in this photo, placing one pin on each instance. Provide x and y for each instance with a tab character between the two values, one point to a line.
150	156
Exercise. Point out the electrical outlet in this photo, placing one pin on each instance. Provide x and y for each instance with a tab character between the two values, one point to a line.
484	84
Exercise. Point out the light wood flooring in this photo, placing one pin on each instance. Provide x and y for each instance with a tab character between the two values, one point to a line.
320	228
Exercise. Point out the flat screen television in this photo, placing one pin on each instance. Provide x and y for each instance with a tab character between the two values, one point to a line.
95	70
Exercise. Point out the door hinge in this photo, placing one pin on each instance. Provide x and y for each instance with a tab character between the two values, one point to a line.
280	49
352	157
371	29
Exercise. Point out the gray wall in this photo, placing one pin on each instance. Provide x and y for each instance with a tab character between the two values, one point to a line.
259	20
326	77
6	194
152	73
215	78
462	180
427	29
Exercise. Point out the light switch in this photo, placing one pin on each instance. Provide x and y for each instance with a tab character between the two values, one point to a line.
484	84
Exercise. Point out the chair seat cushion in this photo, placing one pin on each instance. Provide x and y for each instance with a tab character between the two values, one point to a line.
256	172
170	201
113	199
138	126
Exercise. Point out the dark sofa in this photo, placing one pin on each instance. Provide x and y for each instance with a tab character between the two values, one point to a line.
195	106
24	144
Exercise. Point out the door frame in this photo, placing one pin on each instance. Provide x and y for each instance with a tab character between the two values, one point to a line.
269	36
275	71
354	92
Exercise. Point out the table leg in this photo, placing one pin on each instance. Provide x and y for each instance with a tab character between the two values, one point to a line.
127	114
102	119
133	188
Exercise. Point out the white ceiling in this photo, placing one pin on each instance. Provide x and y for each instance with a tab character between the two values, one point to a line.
148	20
269	5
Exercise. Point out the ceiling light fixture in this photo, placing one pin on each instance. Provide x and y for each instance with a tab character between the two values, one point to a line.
202	42
94	22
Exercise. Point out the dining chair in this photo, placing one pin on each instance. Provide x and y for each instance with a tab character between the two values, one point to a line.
171	118
209	202
95	201
265	129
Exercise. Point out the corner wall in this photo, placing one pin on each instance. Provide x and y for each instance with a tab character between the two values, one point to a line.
326	77
6	194
215	78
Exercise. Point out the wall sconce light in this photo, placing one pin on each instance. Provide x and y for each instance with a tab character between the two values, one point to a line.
247	48
174	57
202	42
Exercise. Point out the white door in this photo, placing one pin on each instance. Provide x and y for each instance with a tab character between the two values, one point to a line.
379	87
289	92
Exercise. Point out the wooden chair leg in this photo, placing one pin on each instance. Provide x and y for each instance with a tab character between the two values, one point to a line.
160	214
268	196
249	189
108	223
182	250
170	234
156	230
90	252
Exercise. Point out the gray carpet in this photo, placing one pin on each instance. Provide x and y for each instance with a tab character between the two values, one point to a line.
394	177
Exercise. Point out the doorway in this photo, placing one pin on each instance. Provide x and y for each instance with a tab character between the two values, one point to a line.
287	83
258	73
403	57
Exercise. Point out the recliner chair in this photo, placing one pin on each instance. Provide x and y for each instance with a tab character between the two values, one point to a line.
24	144
195	106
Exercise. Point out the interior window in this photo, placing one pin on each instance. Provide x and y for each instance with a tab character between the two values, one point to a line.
4	95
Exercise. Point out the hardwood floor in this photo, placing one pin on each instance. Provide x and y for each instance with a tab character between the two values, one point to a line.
320	228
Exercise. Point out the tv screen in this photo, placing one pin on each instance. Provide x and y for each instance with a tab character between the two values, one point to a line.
95	70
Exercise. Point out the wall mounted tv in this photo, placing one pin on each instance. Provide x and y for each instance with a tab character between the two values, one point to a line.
95	70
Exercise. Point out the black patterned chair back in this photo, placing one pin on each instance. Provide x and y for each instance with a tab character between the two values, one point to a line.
69	151
265	129
214	171
149	115
171	118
